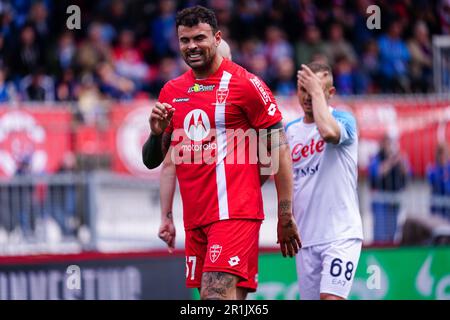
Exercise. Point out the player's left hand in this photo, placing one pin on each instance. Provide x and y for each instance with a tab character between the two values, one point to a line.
288	236
309	80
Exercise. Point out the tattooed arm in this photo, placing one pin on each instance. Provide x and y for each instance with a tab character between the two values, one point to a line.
288	236
167	230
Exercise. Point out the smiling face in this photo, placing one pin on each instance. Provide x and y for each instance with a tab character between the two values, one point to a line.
198	45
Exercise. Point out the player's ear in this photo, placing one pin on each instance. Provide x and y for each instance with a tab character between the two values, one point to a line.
218	37
331	91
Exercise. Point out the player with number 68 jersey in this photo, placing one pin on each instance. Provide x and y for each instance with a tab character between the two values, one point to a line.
324	145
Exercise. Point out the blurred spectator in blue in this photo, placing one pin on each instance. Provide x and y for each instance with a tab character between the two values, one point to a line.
163	32
247	20
37	87
38	18
128	59
284	14
112	85
438	176
249	48
275	48
260	67
345	79
307	12
223	10
421	59
394	59
62	196
284	84
370	67
118	16
28	55
444	16
337	46
21	11
7	27
361	35
61	56
388	175
312	45
8	91
66	50
339	14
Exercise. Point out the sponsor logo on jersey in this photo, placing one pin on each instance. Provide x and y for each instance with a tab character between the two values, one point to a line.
214	252
262	92
221	95
197	125
180	100
307	171
234	261
201	88
300	150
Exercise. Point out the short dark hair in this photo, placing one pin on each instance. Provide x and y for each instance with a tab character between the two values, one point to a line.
192	16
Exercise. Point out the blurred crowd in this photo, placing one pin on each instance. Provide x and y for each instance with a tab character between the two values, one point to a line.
126	49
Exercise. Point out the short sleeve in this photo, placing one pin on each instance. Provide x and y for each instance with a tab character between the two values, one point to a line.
347	124
259	104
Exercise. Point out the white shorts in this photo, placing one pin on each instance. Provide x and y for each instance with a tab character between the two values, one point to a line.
327	268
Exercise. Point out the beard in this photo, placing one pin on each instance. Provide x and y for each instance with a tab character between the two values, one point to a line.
203	63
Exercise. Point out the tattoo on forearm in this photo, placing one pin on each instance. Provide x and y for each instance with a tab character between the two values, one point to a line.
216	285
169	215
285	207
275	137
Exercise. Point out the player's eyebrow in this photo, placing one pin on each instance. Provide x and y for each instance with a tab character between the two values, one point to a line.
202	33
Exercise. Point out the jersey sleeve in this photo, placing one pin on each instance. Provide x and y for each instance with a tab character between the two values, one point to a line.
347	124
259	104
164	98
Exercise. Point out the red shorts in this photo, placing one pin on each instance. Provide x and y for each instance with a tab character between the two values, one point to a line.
229	246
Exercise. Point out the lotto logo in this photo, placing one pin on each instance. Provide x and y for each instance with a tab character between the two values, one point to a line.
234	261
272	109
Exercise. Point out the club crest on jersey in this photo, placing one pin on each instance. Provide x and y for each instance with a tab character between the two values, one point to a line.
214	252
197	125
201	88
221	95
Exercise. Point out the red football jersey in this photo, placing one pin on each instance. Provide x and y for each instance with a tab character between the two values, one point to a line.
213	142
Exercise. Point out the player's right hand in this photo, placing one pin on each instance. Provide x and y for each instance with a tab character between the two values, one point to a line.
167	233
160	117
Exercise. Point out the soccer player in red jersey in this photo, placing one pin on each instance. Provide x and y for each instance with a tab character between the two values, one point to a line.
197	119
